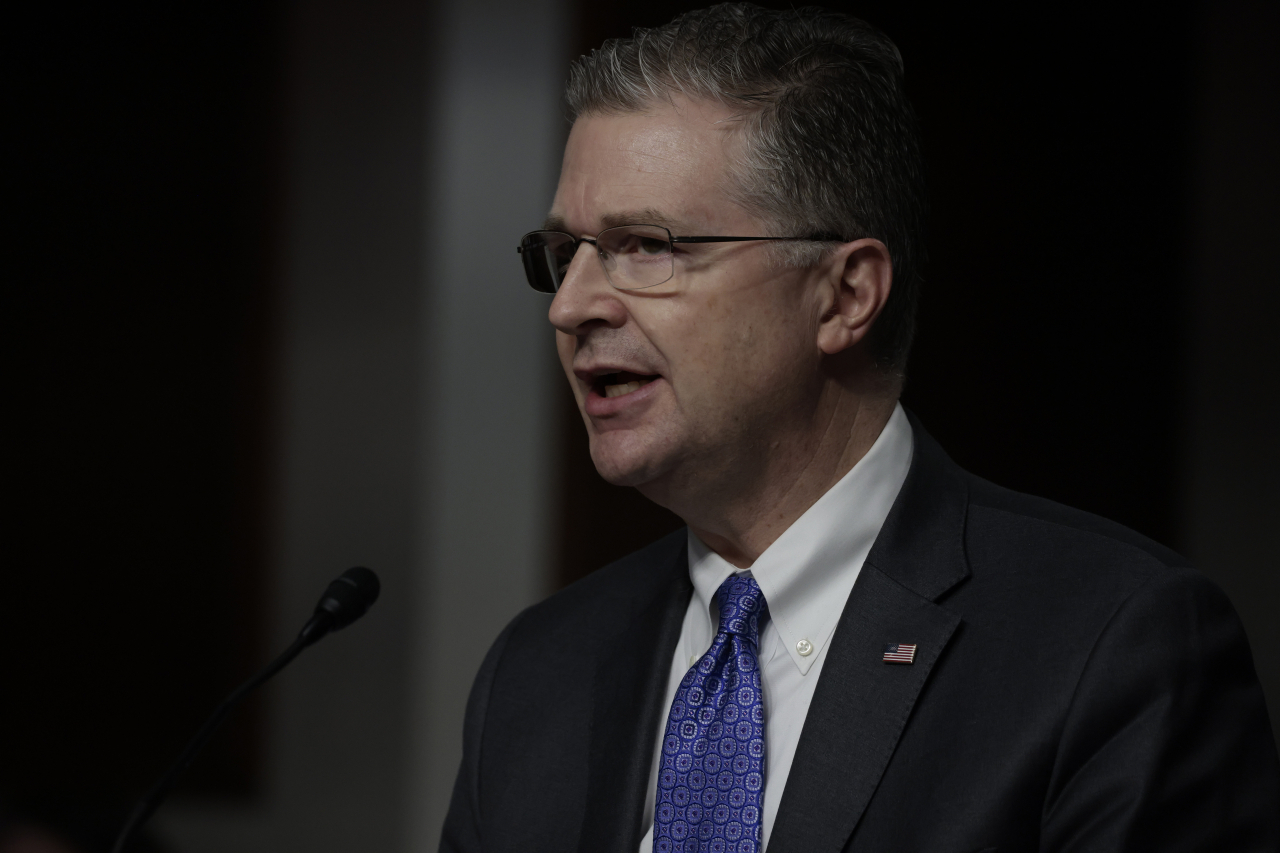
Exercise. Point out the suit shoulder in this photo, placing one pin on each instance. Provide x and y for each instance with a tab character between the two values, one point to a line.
1054	581
1063	562
997	511
594	602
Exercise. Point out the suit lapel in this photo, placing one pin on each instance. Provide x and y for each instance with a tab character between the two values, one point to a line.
628	692
858	712
861	704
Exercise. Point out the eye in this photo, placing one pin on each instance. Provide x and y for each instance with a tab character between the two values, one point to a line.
642	245
650	246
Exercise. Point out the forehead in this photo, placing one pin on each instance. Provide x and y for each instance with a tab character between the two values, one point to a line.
668	163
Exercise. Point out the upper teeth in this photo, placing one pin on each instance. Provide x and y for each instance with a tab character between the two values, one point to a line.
620	389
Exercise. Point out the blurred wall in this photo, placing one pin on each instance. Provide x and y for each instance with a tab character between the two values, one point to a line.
488	467
413	428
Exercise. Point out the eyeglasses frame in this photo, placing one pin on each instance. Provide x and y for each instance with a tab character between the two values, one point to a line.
594	241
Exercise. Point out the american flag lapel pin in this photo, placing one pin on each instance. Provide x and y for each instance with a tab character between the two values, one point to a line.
900	653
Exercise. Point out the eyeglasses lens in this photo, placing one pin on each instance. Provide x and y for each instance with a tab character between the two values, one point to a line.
633	257
546	256
636	256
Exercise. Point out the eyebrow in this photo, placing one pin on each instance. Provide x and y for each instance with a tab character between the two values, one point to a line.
646	216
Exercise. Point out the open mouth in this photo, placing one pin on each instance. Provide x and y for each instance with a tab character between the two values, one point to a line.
621	382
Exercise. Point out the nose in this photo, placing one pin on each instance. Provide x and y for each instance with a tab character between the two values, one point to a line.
586	299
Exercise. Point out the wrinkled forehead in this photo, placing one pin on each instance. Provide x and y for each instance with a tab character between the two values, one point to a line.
671	162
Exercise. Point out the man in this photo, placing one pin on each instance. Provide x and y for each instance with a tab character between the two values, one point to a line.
855	645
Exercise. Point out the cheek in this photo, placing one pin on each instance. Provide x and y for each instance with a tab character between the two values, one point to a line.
723	355
752	332
752	359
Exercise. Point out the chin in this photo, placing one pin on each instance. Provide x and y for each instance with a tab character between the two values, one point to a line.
622	472
624	462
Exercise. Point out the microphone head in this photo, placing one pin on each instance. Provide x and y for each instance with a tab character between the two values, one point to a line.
349	597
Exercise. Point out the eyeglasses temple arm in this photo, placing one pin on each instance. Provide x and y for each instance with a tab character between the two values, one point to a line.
746	239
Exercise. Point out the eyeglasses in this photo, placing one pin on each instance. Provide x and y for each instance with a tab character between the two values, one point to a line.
633	256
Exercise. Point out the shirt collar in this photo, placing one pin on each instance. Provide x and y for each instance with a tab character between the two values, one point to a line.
808	572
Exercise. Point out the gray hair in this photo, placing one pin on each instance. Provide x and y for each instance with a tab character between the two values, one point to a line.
831	143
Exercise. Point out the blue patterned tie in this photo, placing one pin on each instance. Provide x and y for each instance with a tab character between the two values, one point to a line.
712	779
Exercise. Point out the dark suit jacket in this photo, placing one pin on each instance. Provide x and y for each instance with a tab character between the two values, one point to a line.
1076	688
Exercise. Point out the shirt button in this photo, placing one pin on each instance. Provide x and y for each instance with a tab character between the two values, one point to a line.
693	659
805	648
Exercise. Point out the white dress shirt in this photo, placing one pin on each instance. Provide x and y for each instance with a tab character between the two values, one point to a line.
806	575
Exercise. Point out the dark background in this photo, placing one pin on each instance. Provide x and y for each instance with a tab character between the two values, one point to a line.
1056	352
140	192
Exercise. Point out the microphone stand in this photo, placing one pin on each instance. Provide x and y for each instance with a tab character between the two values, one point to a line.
346	600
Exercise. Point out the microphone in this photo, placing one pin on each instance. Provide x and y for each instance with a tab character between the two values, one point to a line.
344	601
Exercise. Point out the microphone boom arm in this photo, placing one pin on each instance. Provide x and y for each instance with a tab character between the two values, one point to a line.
345	601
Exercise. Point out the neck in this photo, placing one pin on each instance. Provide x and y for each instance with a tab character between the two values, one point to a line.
743	514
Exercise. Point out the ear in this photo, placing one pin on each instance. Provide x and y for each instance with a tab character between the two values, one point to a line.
858	278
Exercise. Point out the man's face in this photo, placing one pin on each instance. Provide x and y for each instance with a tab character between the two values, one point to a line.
694	383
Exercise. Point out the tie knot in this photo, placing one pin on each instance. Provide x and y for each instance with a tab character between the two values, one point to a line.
742	607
